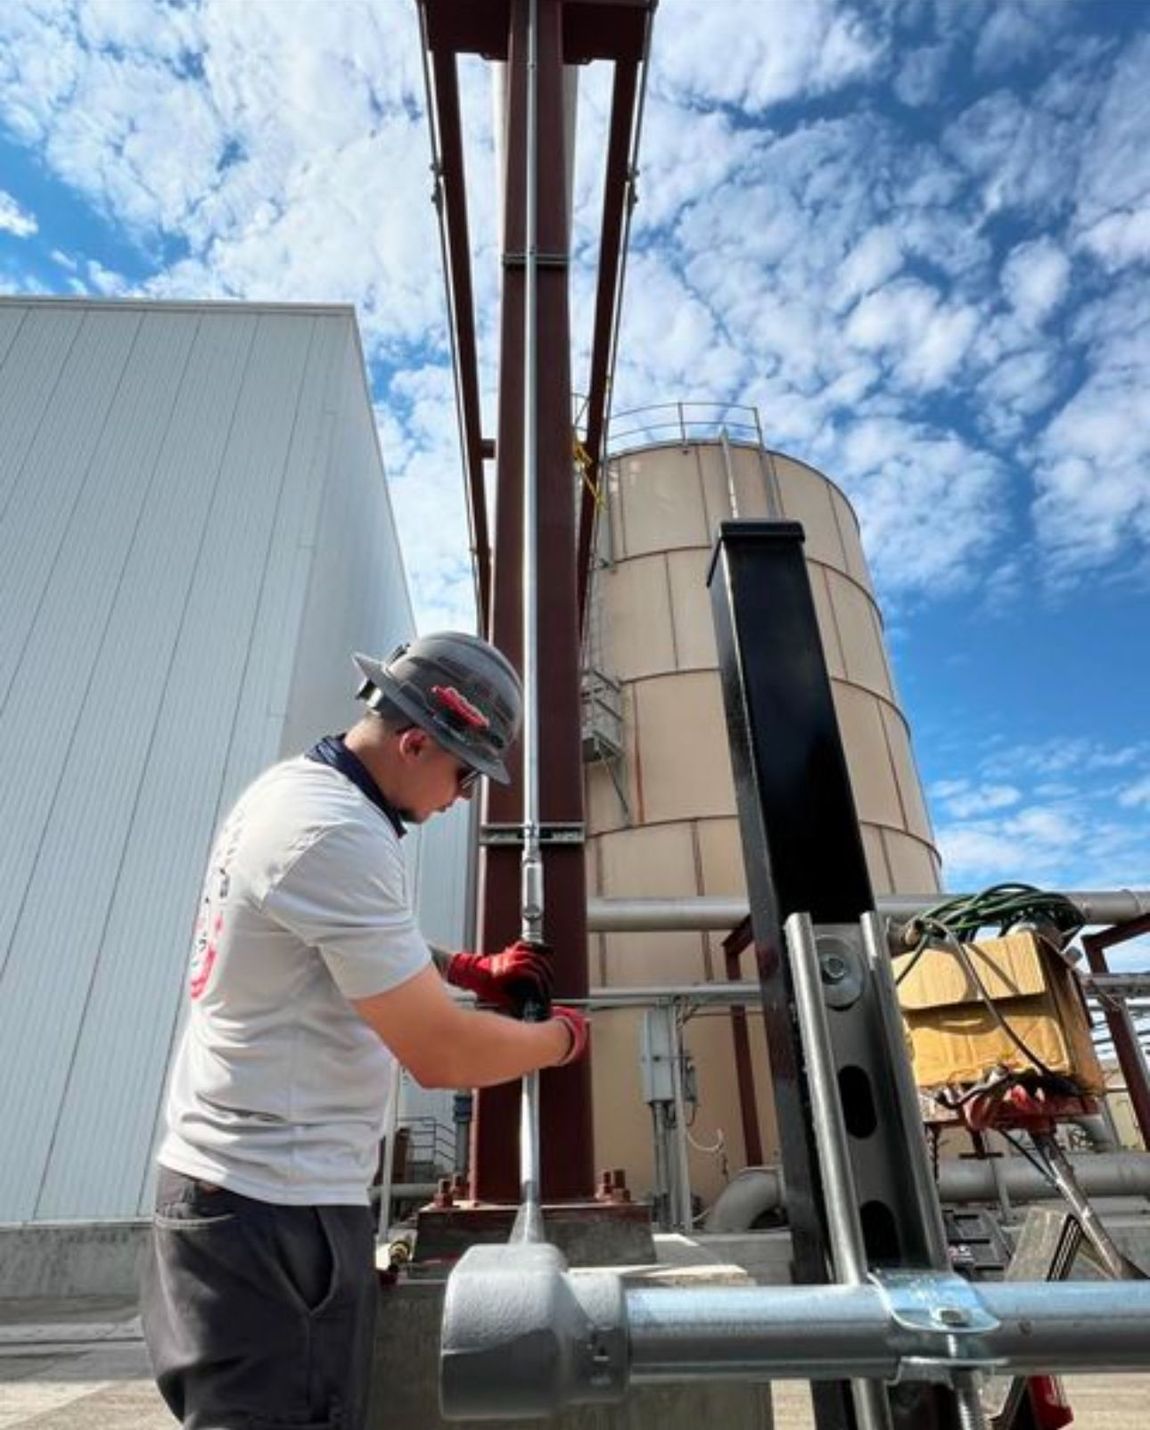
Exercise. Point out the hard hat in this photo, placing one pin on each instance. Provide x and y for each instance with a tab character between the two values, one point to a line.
463	691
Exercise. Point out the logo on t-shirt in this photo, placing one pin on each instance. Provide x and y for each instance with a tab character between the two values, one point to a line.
210	917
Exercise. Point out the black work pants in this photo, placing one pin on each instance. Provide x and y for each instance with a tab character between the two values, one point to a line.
259	1316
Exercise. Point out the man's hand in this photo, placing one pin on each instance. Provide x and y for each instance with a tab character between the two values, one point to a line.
578	1026
521	974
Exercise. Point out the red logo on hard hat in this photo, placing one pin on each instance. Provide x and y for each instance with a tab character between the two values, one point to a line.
448	696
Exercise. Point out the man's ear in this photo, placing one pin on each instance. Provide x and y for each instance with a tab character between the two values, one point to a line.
412	742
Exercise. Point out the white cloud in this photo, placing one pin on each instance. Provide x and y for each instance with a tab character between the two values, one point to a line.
1048	814
1112	214
755	55
1022	153
874	260
929	505
924	337
961	799
1136	795
920	75
1014	31
1093	470
14	219
1035	277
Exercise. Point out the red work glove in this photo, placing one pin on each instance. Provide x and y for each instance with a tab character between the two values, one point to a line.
579	1027
521	973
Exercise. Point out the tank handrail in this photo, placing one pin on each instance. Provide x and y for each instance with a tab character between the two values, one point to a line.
691	420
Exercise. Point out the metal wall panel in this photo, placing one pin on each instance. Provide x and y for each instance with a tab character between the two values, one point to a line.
168	479
175	783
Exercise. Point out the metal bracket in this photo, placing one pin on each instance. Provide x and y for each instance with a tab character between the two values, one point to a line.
942	1321
841	968
542	260
511	835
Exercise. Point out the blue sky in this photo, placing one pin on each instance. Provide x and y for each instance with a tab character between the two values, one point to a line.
915	233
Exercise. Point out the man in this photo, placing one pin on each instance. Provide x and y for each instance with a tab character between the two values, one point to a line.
308	979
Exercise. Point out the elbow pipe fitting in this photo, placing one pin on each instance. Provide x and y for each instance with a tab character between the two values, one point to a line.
524	1338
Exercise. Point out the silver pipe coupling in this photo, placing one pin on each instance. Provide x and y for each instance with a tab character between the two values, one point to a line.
524	1338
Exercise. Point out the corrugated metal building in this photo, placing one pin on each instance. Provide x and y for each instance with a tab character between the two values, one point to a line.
195	533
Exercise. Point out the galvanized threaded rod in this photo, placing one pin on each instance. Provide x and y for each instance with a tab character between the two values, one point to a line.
529	1223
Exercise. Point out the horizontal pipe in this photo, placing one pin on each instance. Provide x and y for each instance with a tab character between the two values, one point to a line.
1105	906
755	1191
790	1332
725	995
1103	1174
722	995
836	1332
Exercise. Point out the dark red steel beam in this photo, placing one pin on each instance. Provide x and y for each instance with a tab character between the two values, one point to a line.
452	193
1126	1046
734	946
592	29
605	30
615	192
565	1093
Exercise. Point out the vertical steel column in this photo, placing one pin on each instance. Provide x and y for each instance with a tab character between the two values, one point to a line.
733	946
567	1169
1127	1048
803	853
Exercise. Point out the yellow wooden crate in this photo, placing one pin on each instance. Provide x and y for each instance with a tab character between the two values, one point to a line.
954	1037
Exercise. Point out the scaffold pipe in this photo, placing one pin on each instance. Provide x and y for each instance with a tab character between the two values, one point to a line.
711	912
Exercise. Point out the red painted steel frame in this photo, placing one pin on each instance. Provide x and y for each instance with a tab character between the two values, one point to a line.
572	32
734	946
1126	1046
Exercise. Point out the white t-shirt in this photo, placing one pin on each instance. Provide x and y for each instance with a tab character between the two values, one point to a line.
278	1087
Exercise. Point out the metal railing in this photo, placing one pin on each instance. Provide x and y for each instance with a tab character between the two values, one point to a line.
602	716
429	1149
683	422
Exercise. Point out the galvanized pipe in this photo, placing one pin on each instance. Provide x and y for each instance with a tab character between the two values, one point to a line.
683	1213
828	1332
757	1190
387	1172
744	992
1106	906
529	1222
730	1332
531	901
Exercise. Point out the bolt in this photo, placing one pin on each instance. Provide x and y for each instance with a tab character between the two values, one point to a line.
834	968
951	1316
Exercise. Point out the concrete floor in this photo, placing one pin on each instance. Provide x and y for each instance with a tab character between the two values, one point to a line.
81	1366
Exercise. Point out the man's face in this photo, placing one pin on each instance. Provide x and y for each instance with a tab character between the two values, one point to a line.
434	778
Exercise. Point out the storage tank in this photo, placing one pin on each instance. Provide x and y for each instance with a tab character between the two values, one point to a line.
661	817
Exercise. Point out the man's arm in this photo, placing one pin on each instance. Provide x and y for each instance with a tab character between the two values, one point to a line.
445	1045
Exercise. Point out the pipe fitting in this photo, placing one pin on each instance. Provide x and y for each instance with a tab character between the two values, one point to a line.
522	1337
